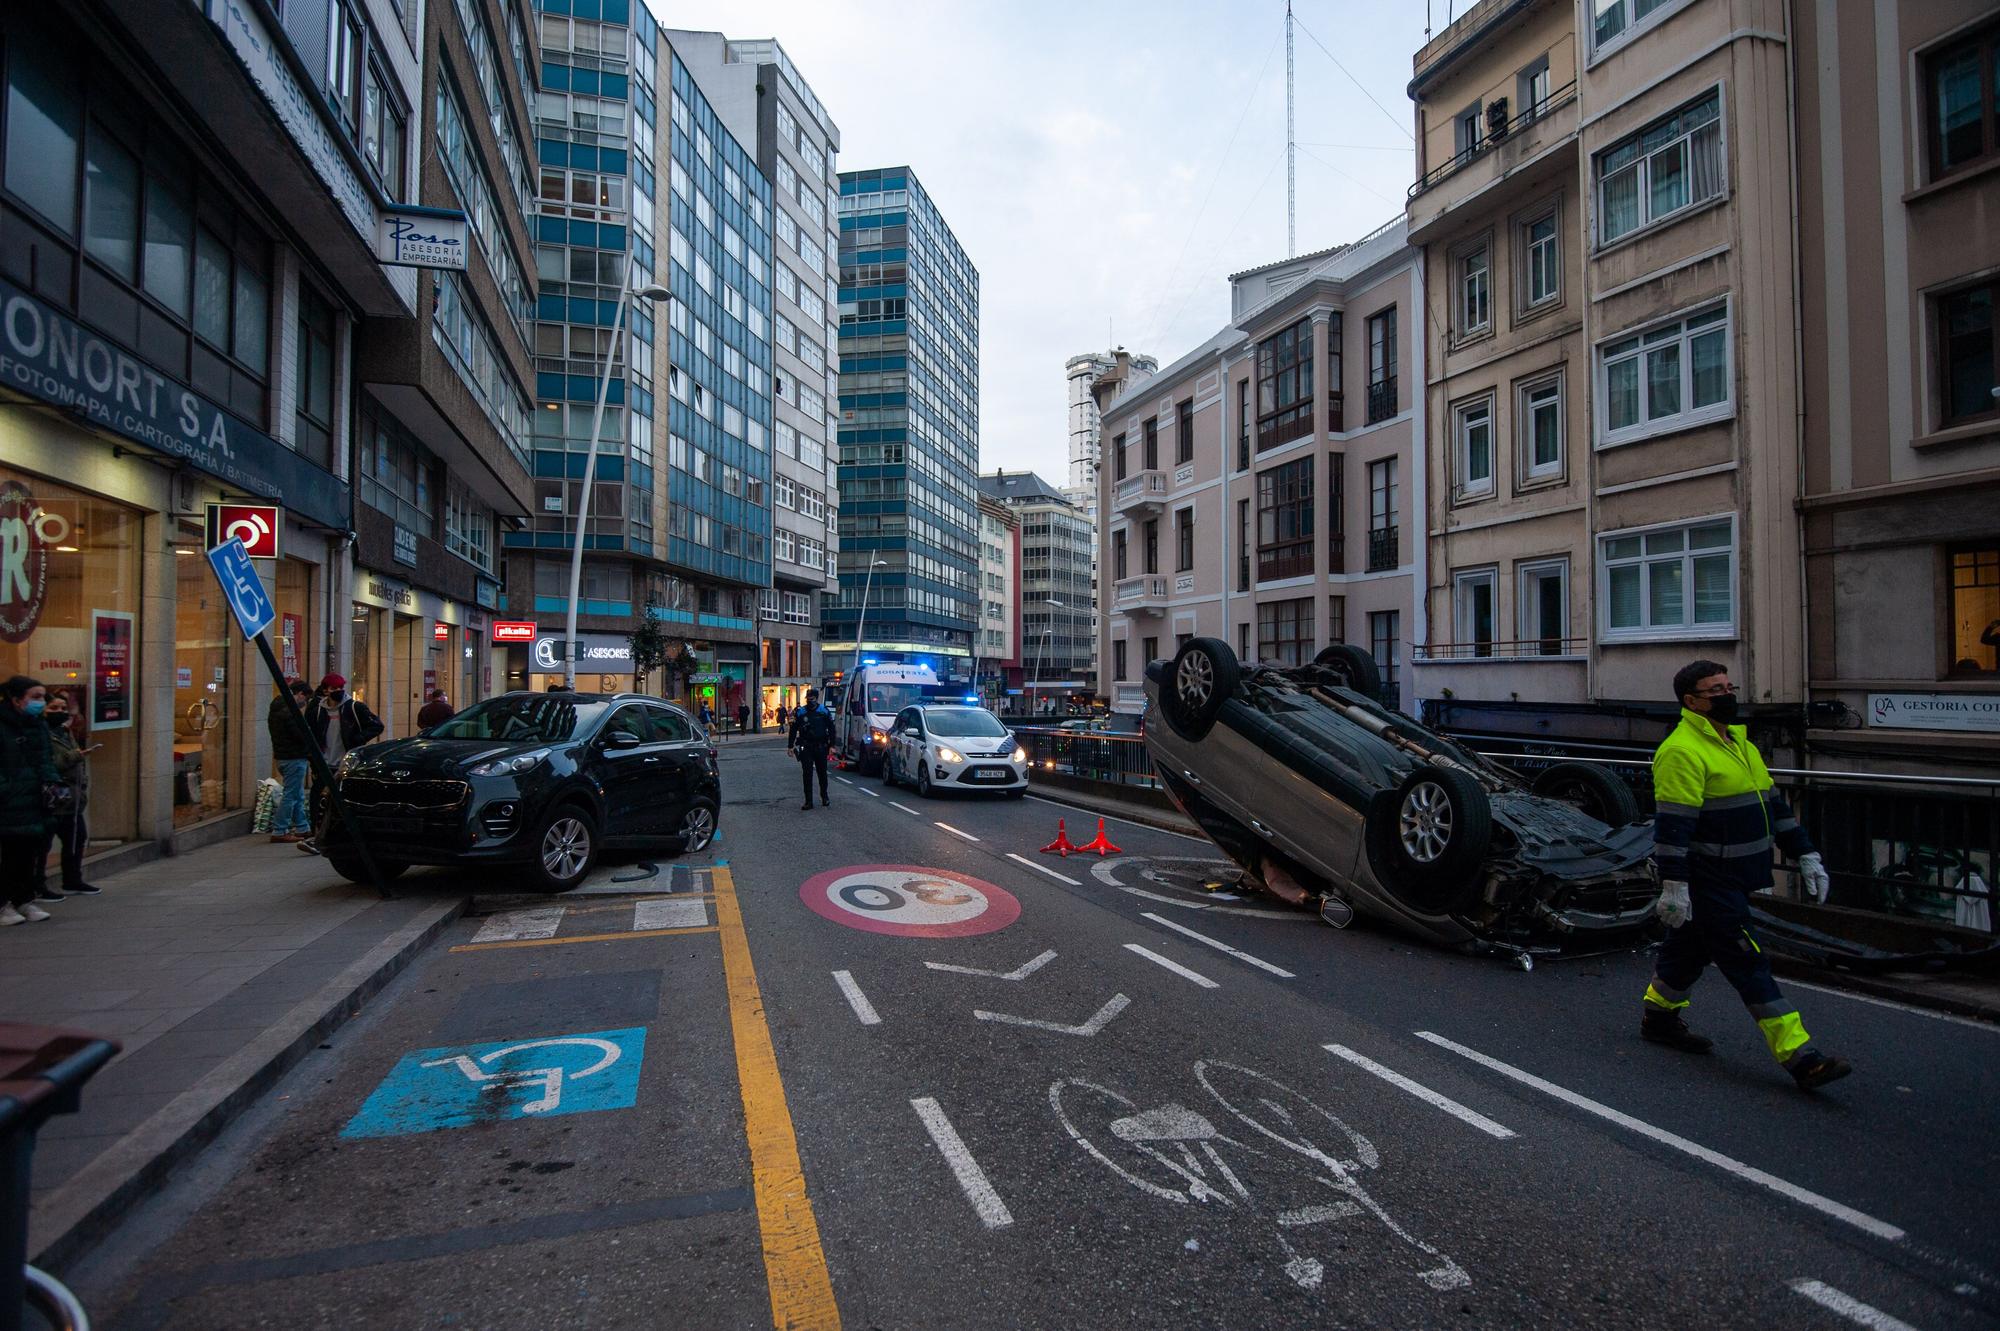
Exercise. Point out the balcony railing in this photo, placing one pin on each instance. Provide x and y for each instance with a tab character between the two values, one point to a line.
1524	649
1487	140
1147	592
1382	549
1382	400
1335	411
1146	489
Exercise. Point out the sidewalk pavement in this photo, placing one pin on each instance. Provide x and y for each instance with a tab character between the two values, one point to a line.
216	970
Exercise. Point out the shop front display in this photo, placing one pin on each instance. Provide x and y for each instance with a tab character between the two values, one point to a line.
202	631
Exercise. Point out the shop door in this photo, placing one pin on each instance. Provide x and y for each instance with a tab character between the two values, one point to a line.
201	687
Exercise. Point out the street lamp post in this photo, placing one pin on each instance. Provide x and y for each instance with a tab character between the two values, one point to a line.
1042	660
652	293
862	623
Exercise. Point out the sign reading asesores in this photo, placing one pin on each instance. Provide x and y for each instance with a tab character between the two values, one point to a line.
909	901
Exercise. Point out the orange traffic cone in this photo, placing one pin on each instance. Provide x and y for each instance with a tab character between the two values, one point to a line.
1102	845
1061	845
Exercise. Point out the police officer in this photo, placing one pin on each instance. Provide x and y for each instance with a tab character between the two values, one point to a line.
1717	818
810	738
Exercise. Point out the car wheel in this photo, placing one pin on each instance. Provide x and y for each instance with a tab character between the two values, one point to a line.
355	870
1433	834
564	848
1592	788
1202	677
1354	668
697	827
888	770
924	780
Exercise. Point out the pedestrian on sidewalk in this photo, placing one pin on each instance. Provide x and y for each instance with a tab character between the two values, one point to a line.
70	753
27	773
812	734
743	718
337	722
291	752
436	712
1717	815
782	713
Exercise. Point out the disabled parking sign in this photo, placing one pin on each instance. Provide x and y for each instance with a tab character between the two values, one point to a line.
459	1086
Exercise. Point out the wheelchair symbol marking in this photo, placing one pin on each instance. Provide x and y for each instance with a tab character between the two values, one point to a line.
505	1080
550	1079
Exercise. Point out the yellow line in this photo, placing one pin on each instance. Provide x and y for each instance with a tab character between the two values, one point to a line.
583	938
794	1262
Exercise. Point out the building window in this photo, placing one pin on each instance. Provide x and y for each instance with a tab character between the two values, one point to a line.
1669	582
1967	362
1118	555
1472	427
1184	540
1475	292
468	529
1540	413
1243	642
44	125
315	376
1620	20
1285	632
1961	119
1184	433
1385	644
1118	659
111	204
1336	507
396	475
1472	597
1468	130
1285	521
1382	365
1668	167
1975	610
1151	461
1242	545
1284	386
1382	520
1118	458
1541	263
1336	619
1667	377
1150	547
1532	86
1542	595
1152	648
1242	425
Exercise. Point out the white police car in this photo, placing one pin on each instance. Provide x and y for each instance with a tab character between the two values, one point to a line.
937	747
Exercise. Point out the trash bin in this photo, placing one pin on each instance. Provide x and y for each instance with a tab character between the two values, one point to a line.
42	1072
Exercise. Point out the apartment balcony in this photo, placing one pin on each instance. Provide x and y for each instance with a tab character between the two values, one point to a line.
1383	549
1128	697
1143	595
1381	399
1551	670
1142	493
1517	152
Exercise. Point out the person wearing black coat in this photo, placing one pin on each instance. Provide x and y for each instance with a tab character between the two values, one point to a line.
811	736
27	770
291	750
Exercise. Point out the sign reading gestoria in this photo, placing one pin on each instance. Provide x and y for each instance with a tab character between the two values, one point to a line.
1936	711
47	354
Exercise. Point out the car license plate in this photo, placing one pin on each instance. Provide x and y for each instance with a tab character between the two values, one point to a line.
992	774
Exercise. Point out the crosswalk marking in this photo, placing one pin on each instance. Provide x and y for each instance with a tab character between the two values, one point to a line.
669	914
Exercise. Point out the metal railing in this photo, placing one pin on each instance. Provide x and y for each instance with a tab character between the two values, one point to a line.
1525	649
1382	549
1487	140
1382	399
1089	755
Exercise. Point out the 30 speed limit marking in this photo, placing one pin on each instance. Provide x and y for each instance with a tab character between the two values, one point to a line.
909	900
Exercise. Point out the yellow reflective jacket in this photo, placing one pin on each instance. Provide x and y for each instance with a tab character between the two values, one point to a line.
1718	814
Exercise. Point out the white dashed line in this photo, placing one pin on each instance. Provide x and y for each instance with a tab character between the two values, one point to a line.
1881	1229
1220	946
1424	1093
871	794
954	831
1846	1305
971	1178
843	781
905	808
857	1000
1173	966
1043	868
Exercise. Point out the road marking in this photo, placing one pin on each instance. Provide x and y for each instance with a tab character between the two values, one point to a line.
1112	818
1221	946
1173	966
971	1178
794	1262
1097	1022
648	915
1020	973
1846	1305
1952	1017
905	808
1825	1205
456	1087
857	1000
843	780
583	938
521	924
1043	868
1424	1093
954	831
871	794
625	907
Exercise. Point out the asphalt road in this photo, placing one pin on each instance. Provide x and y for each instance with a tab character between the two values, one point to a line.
903	1106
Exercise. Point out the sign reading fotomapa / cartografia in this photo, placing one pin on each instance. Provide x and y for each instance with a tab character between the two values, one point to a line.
45	353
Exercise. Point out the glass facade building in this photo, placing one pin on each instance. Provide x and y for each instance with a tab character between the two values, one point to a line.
909	429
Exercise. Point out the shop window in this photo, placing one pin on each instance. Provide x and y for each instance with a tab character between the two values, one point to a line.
1975	611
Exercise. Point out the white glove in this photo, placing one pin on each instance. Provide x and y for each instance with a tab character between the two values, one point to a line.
1814	875
1674	907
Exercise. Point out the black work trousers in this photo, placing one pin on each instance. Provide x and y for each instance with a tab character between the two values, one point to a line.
74	834
810	762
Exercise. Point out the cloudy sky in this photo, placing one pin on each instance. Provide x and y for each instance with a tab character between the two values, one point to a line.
1105	166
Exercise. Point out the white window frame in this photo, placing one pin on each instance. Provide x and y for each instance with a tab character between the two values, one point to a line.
1530	471
1526	574
1642	169
1687	630
1529	301
1634	344
1462	583
1464	486
1631	31
1462	275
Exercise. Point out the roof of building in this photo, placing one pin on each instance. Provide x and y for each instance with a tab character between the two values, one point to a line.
1019	487
1280	263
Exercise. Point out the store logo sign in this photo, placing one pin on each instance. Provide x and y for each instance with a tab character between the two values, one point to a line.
24	561
256	525
505	630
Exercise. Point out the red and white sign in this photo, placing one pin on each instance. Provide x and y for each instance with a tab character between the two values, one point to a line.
25	538
256	525
909	901
506	630
441	631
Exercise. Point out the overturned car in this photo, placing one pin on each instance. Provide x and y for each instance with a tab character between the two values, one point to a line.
1327	798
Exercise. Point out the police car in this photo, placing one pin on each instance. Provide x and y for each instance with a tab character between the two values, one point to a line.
938	747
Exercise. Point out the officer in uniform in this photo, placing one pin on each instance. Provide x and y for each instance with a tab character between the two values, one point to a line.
1717	819
812	734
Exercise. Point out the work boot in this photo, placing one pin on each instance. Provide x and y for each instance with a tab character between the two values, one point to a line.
1666	1026
1811	1069
806	806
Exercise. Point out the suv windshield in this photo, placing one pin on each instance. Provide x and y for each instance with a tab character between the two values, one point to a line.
968	722
527	718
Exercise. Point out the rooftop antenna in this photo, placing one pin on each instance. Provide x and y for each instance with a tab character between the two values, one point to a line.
1291	150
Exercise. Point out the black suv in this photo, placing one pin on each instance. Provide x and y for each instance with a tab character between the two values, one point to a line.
540	780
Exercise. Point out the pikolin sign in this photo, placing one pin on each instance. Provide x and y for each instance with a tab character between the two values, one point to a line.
26	533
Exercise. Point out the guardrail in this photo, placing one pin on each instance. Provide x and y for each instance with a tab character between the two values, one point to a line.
1089	755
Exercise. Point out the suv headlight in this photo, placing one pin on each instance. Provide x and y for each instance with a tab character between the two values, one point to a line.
947	754
876	735
346	763
1020	754
509	765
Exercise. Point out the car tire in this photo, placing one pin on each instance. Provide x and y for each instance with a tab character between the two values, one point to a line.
886	772
924	786
355	870
1203	676
1432	835
1592	788
1357	669
552	868
698	826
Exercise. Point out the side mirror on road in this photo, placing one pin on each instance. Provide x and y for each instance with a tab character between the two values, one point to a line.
622	739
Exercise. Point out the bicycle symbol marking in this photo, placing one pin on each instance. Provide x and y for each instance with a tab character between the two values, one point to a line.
550	1079
1189	1159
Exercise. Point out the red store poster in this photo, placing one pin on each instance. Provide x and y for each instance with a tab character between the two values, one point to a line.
110	669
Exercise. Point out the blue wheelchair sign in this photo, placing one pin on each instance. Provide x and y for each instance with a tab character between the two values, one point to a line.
241	587
457	1087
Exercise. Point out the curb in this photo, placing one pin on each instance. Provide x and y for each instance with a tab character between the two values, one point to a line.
84	1209
1829	978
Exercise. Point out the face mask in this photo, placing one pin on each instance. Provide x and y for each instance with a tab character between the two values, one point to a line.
35	706
1723	709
